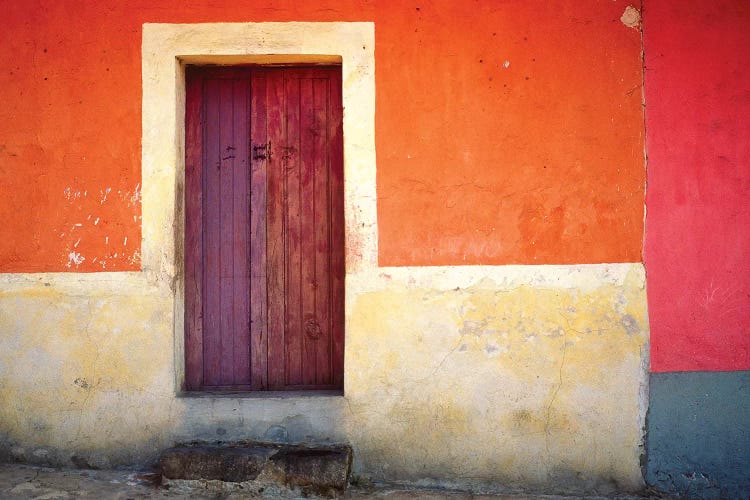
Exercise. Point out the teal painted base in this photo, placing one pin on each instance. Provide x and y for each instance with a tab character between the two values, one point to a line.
699	434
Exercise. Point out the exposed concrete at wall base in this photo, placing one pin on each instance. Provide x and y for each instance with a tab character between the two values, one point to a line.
698	436
528	376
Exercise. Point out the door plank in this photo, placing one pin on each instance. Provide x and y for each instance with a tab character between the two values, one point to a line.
293	166
225	222
276	233
337	223
193	234
240	231
212	236
308	332
258	296
322	225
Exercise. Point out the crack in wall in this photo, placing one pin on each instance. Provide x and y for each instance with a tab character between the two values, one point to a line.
558	387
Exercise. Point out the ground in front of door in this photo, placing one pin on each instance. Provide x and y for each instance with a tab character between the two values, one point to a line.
28	482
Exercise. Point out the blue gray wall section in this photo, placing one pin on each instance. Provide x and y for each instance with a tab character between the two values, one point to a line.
699	434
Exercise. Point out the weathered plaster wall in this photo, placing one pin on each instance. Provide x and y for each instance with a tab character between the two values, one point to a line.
526	376
697	247
86	364
520	376
509	133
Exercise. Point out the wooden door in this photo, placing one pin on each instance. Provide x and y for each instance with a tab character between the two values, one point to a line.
264	266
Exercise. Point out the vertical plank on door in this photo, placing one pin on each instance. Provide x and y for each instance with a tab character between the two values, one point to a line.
258	297
225	223
212	235
322	227
308	332
293	164
275	231
239	149
337	224
193	234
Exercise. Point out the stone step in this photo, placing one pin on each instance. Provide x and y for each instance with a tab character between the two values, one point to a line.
322	470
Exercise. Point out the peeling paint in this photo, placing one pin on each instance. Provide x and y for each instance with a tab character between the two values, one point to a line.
75	258
104	194
631	17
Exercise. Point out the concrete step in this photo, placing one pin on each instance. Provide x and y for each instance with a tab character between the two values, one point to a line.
319	470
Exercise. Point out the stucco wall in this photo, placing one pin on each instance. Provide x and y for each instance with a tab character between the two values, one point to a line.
527	376
520	376
697	246
699	182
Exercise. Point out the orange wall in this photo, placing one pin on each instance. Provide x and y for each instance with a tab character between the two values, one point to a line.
537	162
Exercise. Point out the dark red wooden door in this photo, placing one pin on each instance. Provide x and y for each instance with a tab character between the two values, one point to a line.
264	267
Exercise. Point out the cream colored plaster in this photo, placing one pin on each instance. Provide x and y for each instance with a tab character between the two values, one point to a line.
516	376
530	378
524	377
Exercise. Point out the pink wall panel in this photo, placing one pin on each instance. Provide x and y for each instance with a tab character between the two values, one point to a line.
697	248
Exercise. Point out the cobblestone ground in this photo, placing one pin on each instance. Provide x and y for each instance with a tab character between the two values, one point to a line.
27	482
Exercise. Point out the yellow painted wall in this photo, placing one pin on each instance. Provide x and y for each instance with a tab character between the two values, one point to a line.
501	378
524	376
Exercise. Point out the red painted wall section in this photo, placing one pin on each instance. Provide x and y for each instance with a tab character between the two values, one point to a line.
506	132
698	225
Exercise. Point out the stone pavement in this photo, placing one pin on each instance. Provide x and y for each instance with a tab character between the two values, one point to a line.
41	483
